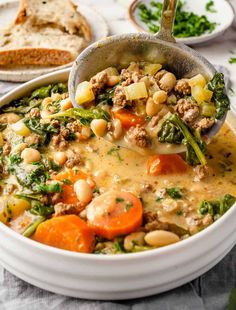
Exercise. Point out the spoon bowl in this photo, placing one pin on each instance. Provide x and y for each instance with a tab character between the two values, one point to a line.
118	51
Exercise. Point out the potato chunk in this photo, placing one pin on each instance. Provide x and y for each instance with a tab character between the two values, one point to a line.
151	69
21	129
201	94
84	93
136	91
197	80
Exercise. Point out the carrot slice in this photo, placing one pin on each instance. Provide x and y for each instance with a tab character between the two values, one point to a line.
128	119
166	164
114	213
66	232
69	177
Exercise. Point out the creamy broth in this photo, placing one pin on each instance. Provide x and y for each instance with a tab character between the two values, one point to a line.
53	172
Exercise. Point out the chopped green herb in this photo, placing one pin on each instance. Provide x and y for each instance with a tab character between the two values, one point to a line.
118	245
15	159
128	206
174	192
232	300
66	181
179	212
119	199
3	127
158	199
232	60
115	151
210	7
187	24
96	190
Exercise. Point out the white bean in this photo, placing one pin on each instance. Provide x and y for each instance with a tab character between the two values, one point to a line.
117	129
66	104
9	118
100	175
83	191
151	107
85	132
136	238
167	82
160	96
112	80
99	127
158	238
60	158
30	155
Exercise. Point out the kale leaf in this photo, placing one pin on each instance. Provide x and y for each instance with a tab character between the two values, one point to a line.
170	133
106	97
42	210
30	179
175	131
3	127
220	99
21	106
47	91
44	130
25	104
217	207
50	188
85	116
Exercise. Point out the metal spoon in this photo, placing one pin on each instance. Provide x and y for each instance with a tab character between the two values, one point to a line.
119	50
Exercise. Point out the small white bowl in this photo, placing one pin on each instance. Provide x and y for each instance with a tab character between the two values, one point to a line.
108	277
223	17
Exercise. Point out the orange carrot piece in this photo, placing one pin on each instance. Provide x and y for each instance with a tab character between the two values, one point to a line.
115	213
128	119
68	194
166	164
66	232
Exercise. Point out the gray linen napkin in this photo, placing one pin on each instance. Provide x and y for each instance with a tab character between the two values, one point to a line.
208	292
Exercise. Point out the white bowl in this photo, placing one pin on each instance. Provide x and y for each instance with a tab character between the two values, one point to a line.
94	276
223	17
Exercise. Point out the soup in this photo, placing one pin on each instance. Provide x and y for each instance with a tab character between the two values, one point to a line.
64	186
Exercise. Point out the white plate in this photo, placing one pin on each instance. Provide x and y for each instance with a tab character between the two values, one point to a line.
223	16
8	11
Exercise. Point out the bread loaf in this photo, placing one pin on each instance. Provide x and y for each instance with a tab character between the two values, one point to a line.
45	32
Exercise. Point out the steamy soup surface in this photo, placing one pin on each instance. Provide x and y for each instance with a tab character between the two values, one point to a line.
63	185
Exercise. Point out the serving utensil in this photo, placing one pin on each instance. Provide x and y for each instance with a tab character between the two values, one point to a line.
119	50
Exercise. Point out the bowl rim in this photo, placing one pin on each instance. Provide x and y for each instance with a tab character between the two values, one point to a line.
108	257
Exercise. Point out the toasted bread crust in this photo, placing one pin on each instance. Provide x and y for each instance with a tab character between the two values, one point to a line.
21	14
35	56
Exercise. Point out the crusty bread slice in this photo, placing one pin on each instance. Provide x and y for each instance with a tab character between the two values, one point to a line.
62	13
33	40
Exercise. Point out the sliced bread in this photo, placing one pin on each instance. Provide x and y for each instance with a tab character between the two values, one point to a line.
62	13
34	40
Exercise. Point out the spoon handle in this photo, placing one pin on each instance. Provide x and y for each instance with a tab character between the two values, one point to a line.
167	21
